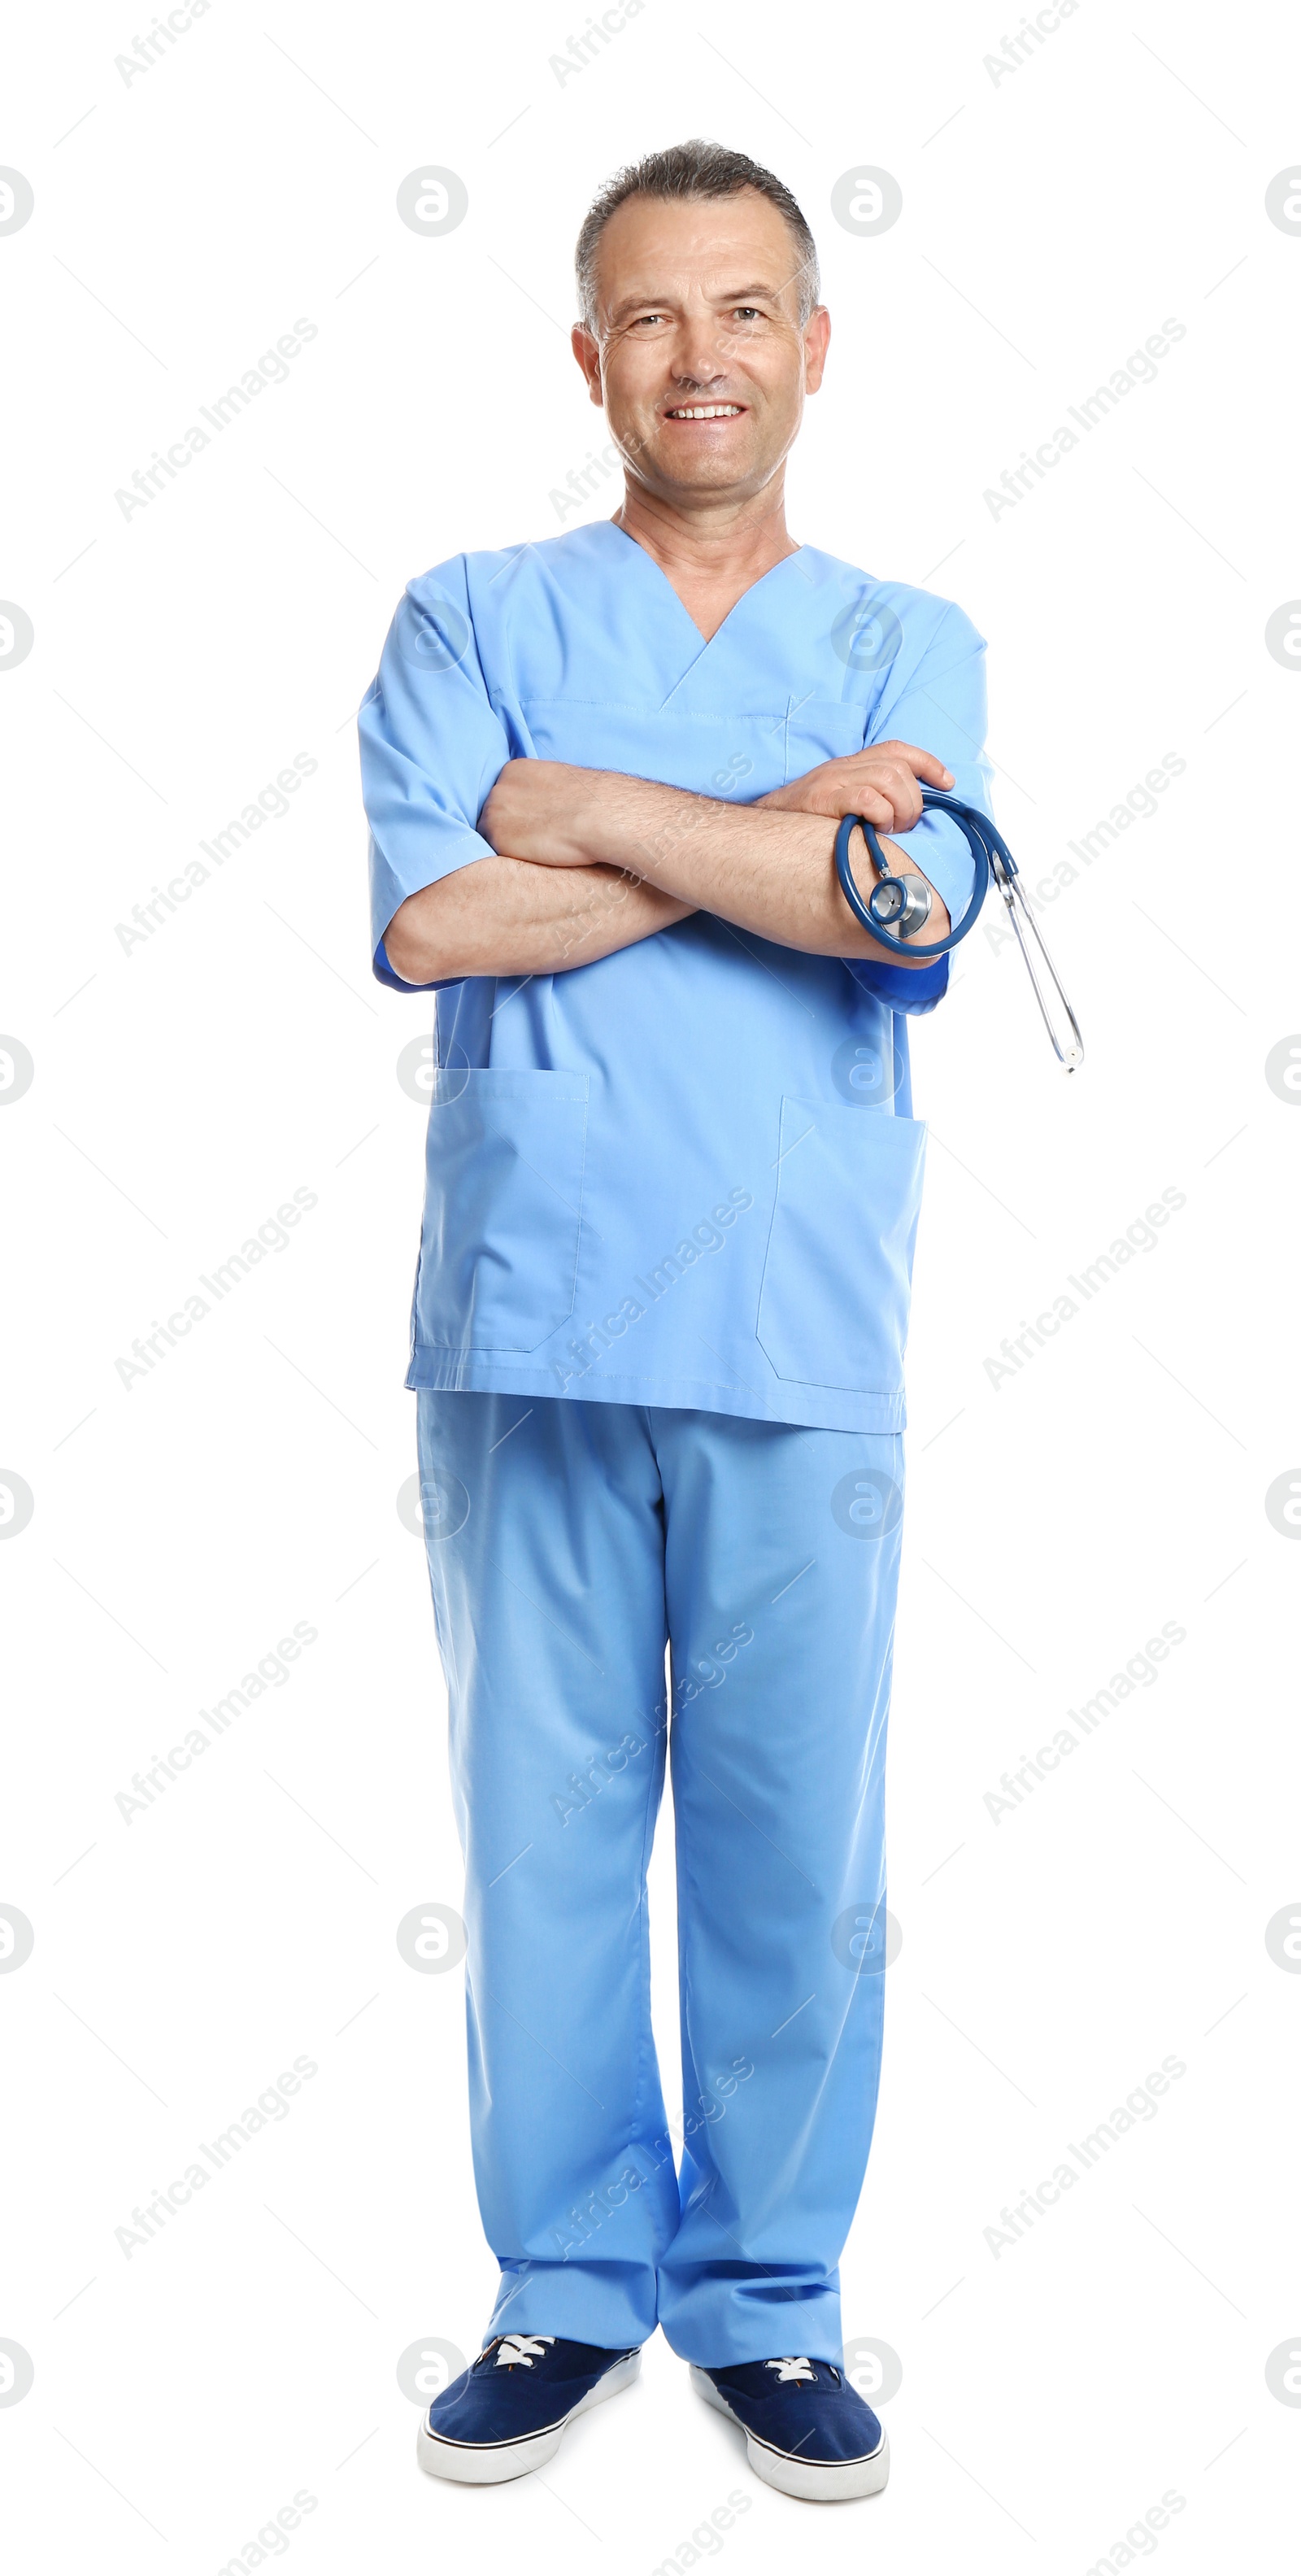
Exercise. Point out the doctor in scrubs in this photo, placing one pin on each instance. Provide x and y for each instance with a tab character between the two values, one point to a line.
658	1330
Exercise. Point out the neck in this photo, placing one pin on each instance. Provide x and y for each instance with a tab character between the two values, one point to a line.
731	543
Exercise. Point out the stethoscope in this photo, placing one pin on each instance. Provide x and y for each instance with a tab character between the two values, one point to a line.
898	907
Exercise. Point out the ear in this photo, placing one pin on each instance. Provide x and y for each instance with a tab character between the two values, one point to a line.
588	355
817	333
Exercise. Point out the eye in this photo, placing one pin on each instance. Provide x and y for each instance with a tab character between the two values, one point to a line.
747	313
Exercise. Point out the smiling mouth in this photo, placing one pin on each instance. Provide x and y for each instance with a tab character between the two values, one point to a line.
705	411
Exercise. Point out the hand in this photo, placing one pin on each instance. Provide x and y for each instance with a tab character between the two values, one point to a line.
881	783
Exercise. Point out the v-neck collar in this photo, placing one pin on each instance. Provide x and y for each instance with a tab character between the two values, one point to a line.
703	643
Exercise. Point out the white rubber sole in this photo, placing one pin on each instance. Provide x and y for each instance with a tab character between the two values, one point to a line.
489	2464
814	2481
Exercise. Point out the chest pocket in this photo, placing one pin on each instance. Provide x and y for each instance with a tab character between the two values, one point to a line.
503	1208
837	1278
820	729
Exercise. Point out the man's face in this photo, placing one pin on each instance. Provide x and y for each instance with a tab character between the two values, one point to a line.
699	357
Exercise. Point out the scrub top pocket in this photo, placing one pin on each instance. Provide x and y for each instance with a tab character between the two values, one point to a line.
503	1208
837	1278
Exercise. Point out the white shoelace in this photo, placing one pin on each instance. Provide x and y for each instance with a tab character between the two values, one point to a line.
793	2369
518	2347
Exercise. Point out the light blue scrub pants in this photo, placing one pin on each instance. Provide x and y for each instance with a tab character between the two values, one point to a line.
568	1542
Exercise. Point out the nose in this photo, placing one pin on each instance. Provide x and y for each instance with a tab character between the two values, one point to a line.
700	355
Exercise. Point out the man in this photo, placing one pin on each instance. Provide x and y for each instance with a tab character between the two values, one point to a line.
658	1329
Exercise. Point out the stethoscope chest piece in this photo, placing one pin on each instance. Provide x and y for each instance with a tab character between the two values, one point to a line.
901	904
897	907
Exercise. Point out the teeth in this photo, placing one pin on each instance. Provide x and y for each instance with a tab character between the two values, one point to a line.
706	411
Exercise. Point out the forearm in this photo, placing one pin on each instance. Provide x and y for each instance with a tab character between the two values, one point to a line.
770	872
506	916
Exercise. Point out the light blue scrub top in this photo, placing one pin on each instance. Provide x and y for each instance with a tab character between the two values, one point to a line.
686	1174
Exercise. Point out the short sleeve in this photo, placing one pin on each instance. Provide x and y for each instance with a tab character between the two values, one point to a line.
940	706
432	746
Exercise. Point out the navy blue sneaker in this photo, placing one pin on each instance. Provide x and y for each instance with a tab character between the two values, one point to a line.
507	2412
807	2431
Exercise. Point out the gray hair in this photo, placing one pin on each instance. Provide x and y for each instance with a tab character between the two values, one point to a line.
693	170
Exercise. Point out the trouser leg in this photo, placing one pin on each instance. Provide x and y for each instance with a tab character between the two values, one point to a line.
545	1532
782	1551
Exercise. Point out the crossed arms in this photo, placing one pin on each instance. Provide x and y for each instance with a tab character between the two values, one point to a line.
588	861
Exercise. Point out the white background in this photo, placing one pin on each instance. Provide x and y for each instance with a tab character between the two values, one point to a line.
1052	220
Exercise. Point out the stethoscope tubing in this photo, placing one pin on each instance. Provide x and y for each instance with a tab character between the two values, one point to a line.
994	864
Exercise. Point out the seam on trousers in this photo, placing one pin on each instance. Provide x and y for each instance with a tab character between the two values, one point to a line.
442	1610
645	2031
686	1852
